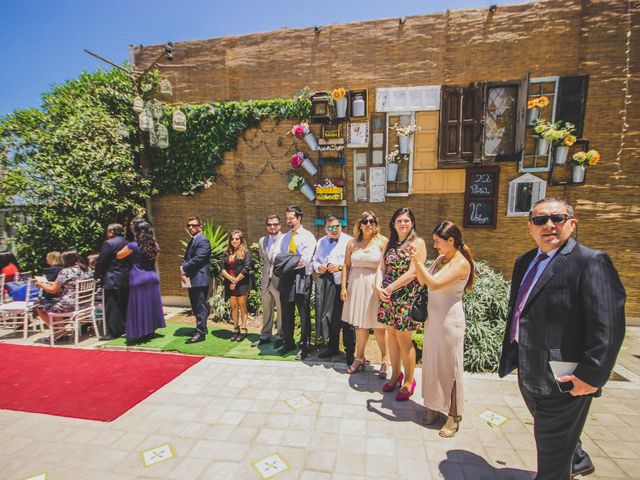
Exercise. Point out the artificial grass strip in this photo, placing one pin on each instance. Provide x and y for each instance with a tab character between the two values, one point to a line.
217	343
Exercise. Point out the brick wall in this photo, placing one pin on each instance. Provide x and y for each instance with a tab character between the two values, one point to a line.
555	37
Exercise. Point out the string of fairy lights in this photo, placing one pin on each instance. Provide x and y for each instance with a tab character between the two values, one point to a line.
627	95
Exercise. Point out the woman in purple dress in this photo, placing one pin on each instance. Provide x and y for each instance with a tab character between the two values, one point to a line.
144	312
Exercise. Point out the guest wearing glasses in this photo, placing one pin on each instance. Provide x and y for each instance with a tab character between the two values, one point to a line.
358	292
194	274
566	305
443	357
237	282
328	262
269	284
397	285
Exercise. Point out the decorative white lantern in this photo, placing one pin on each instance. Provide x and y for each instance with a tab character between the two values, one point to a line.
145	121
163	136
138	104
166	90
155	107
179	121
122	130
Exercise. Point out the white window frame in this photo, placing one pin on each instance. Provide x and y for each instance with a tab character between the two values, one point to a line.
404	99
412	121
539	191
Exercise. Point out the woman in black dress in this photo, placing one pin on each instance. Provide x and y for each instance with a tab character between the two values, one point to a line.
237	282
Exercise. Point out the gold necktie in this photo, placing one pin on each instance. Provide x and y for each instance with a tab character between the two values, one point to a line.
292	243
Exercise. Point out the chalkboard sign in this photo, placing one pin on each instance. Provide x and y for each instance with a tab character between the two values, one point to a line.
481	197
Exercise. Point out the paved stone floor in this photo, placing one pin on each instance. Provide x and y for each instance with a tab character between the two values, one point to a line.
222	415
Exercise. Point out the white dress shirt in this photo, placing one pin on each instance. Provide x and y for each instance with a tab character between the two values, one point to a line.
328	252
305	243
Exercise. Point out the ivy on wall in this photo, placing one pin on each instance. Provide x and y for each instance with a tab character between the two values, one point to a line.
193	156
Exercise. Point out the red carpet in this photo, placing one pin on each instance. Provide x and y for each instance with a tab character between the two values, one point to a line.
90	384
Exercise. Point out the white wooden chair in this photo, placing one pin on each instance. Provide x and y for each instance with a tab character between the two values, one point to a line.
81	314
1	288
20	313
98	310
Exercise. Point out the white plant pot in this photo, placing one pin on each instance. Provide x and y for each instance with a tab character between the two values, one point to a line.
308	191
308	165
542	146
403	144
341	108
578	173
392	171
560	154
311	141
533	115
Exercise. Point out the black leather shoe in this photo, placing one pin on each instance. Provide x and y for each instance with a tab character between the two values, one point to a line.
108	337
286	348
198	337
583	470
278	343
330	352
262	341
302	354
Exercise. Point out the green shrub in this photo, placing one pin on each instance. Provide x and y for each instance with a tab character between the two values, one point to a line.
220	310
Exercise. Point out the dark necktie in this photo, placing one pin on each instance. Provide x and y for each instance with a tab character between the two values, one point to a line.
522	295
333	240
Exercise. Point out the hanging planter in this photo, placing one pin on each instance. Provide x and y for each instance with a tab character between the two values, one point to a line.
155	107
138	104
533	106
403	144
578	172
166	90
542	146
179	121
392	172
533	115
145	121
307	191
311	141
339	96
560	154
299	160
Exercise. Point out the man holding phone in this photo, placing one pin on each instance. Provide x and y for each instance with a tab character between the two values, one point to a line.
564	330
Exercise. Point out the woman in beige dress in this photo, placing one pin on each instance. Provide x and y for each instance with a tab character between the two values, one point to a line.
442	356
358	289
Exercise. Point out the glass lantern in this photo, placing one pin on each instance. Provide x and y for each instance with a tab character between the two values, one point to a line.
163	136
138	104
179	121
155	107
166	90
122	130
145	120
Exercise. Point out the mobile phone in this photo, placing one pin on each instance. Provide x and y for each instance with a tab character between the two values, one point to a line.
565	387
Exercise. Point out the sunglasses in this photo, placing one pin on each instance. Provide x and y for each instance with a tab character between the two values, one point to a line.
192	225
369	221
555	218
272	224
333	228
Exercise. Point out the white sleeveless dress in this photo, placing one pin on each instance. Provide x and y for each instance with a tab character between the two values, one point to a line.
361	307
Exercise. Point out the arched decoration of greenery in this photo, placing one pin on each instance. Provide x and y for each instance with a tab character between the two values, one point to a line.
212	129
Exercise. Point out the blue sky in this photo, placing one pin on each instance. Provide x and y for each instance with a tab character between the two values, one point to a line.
44	39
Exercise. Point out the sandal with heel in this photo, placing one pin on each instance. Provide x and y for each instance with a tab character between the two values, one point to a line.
236	334
358	364
389	387
382	373
243	334
451	426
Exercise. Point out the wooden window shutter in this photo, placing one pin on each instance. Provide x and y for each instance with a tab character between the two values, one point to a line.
572	101
450	123
461	126
521	120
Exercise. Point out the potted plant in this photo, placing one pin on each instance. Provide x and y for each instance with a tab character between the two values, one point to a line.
328	191
403	136
533	106
393	160
301	130
339	96
562	140
580	161
299	159
545	132
296	182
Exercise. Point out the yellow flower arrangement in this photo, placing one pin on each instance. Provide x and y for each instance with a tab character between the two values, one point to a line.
589	158
537	102
569	140
338	93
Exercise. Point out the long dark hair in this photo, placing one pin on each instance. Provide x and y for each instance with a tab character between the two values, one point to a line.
7	258
146	243
71	258
447	230
393	238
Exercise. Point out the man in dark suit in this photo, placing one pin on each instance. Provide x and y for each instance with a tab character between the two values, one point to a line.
114	275
566	305
195	272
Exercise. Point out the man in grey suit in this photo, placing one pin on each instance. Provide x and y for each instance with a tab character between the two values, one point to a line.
566	305
195	270
269	286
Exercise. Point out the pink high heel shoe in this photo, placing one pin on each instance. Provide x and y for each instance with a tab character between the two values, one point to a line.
403	396
387	387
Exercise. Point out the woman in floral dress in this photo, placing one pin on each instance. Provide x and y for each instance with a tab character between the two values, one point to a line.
397	286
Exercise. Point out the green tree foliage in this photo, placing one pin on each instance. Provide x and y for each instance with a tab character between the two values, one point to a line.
69	170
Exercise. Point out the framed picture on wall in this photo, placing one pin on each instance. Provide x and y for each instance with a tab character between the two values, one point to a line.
358	135
377	157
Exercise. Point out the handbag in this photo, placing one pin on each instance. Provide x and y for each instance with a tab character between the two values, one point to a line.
419	307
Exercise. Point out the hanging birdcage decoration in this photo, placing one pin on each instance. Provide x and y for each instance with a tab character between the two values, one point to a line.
145	121
138	104
166	90
179	121
122	130
163	136
155	107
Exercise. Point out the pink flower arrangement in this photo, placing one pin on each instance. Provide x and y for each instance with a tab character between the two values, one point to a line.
297	159
300	130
